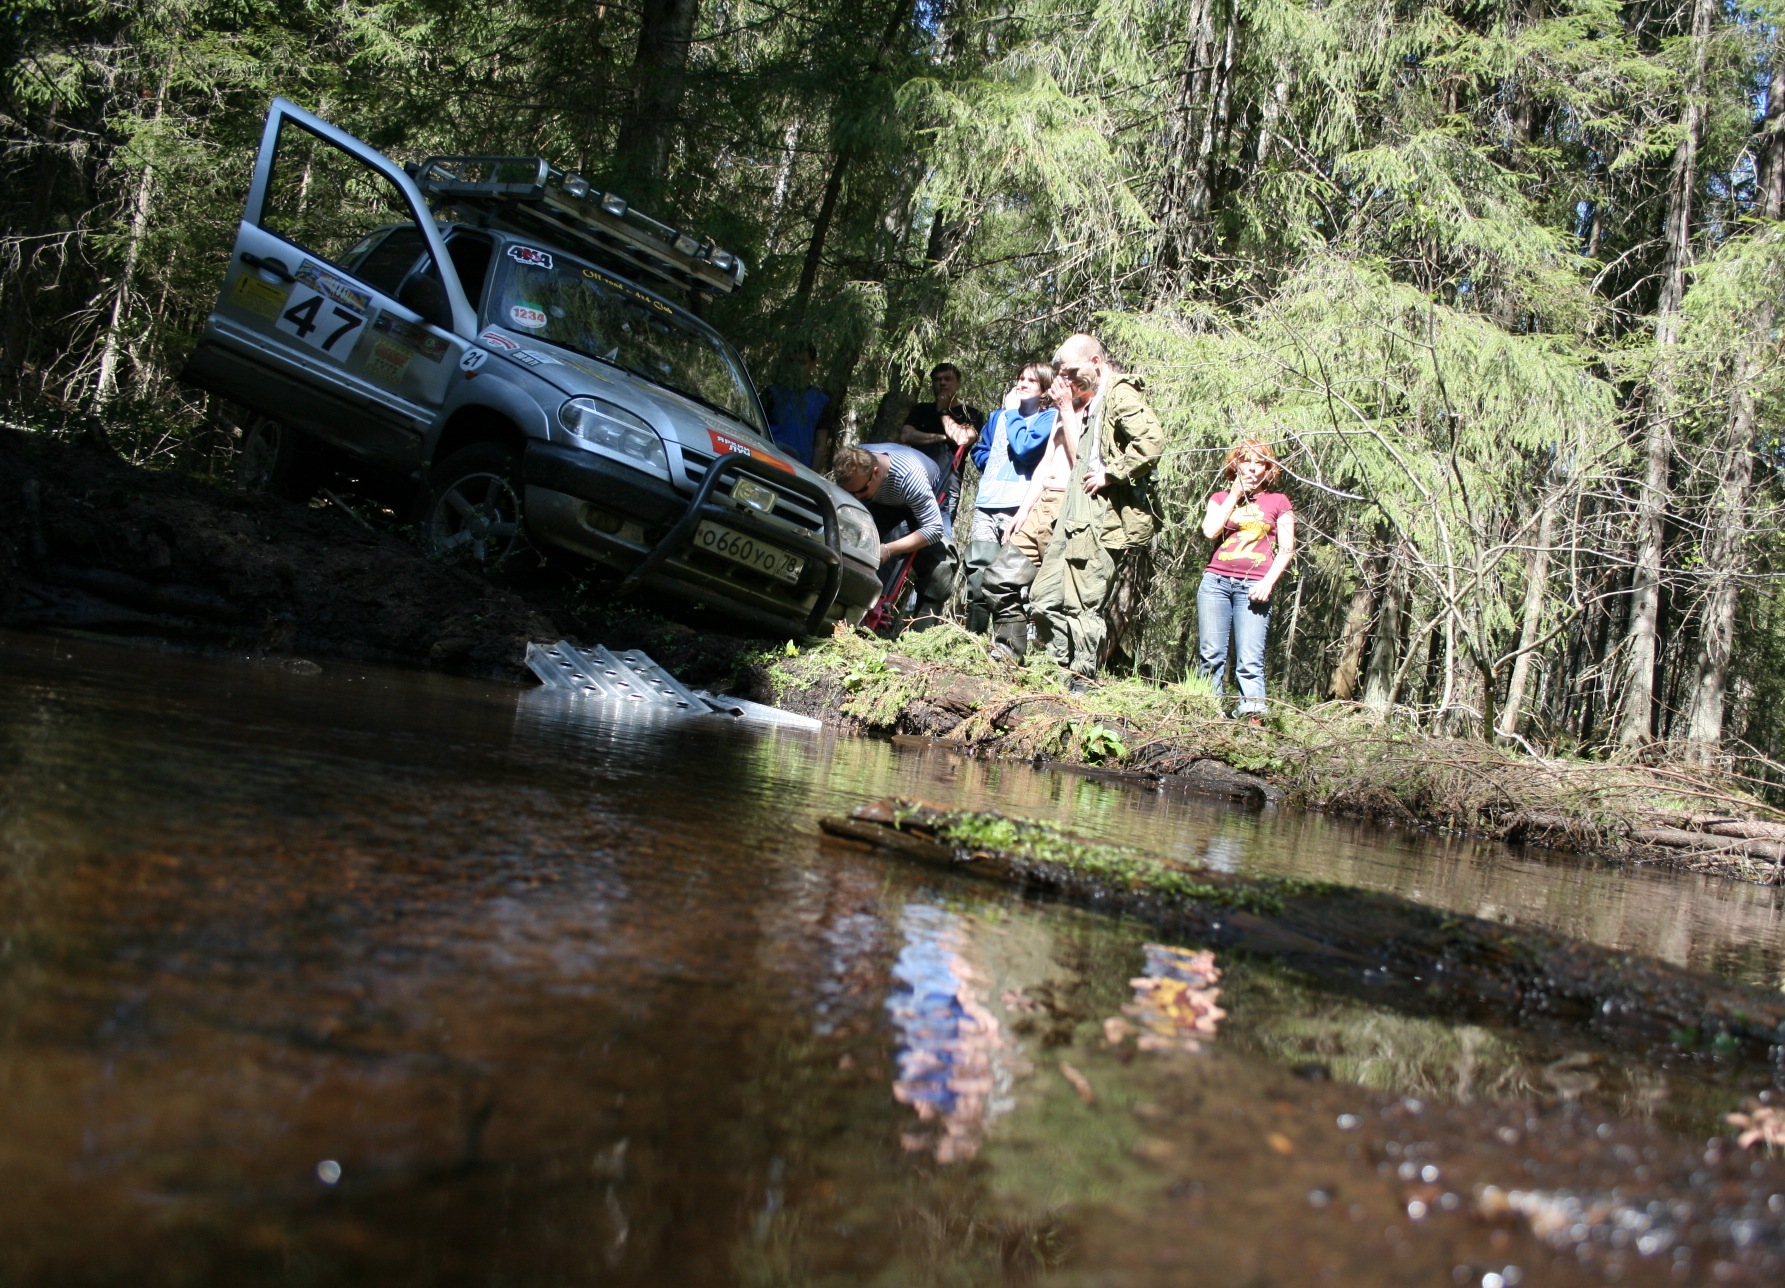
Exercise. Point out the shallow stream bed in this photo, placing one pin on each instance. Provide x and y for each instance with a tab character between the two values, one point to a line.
366	976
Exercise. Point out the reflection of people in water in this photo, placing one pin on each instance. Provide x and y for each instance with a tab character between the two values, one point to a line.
949	1068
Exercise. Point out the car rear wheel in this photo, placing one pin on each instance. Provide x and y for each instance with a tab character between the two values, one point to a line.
276	460
473	513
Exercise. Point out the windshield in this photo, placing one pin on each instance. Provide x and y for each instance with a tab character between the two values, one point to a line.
549	295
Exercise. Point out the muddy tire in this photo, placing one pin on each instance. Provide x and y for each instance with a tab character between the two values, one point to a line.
276	460
472	514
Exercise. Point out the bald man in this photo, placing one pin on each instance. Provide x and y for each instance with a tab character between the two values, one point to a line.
1106	511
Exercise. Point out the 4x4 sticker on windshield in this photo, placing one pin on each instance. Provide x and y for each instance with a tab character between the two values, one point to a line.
528	315
530	257
725	444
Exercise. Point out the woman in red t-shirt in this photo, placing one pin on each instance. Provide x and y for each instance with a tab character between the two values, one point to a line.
1256	528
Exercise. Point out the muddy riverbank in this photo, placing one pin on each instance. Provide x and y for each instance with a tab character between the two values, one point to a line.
89	543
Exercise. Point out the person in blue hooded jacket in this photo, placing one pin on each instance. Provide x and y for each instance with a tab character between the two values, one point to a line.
1009	447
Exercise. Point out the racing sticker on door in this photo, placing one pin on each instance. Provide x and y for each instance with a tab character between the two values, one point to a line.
255	296
324	311
393	343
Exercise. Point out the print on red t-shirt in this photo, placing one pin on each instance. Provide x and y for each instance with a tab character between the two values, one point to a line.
1249	541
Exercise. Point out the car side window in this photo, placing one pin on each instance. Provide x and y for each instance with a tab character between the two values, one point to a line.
389	262
471	261
326	200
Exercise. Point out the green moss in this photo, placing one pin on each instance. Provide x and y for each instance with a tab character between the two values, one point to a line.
1115	866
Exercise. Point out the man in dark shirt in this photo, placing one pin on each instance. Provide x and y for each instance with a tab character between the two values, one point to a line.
938	428
801	415
898	484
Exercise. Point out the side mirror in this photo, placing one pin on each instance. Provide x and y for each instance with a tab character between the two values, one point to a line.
424	293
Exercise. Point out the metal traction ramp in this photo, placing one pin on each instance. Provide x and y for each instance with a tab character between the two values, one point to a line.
635	677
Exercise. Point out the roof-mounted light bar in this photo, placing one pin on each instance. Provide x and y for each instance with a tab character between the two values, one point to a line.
523	191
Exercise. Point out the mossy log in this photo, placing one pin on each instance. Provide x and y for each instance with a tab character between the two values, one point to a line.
1374	945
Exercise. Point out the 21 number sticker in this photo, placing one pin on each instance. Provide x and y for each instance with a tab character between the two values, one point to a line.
320	322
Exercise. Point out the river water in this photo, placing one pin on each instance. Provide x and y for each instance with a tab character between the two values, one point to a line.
364	976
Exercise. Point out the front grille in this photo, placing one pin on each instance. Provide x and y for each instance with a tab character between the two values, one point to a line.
790	505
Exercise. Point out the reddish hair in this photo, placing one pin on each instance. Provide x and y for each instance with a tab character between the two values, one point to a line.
1252	449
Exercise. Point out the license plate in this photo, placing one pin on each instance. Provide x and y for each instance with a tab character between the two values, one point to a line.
748	551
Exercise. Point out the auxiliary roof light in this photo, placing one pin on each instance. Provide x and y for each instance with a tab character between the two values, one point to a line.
686	245
576	186
613	205
724	261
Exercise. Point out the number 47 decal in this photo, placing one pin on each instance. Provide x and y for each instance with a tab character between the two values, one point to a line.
320	322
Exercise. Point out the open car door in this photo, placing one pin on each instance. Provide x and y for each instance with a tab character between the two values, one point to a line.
340	313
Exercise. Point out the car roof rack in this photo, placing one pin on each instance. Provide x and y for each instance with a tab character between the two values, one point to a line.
526	195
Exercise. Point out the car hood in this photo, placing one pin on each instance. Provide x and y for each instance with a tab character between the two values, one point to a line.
677	419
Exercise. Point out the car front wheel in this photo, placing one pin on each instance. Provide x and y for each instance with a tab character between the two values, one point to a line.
276	460
473	513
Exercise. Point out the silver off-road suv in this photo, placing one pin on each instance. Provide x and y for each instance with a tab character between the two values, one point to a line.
500	339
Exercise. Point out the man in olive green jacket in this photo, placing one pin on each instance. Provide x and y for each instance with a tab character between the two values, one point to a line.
1106	513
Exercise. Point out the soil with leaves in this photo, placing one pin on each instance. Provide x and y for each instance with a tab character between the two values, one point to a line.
1335	756
90	543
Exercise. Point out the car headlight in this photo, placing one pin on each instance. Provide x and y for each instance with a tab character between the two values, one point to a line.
618	430
858	535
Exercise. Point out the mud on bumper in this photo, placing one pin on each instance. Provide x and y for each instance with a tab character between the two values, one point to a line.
638	524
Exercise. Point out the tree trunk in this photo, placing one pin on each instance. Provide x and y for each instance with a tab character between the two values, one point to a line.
1379	679
1187	140
107	382
821	227
1537	578
1356	630
659	68
1636	712
841	157
1727	523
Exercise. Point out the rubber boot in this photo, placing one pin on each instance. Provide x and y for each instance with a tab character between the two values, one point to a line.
1010	639
980	555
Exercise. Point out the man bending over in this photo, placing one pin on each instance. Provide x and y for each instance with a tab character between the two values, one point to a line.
898	484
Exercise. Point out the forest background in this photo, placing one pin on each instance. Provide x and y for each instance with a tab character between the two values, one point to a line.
1501	279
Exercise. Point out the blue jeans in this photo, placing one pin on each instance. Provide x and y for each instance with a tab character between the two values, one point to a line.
1224	609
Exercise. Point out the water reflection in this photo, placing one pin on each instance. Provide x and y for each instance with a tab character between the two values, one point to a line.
1174	1006
952	1054
573	999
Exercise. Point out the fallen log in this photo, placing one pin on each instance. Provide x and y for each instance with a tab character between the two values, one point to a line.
1375	945
1713	842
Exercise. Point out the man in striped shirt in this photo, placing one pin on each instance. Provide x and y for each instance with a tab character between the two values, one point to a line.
899	484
